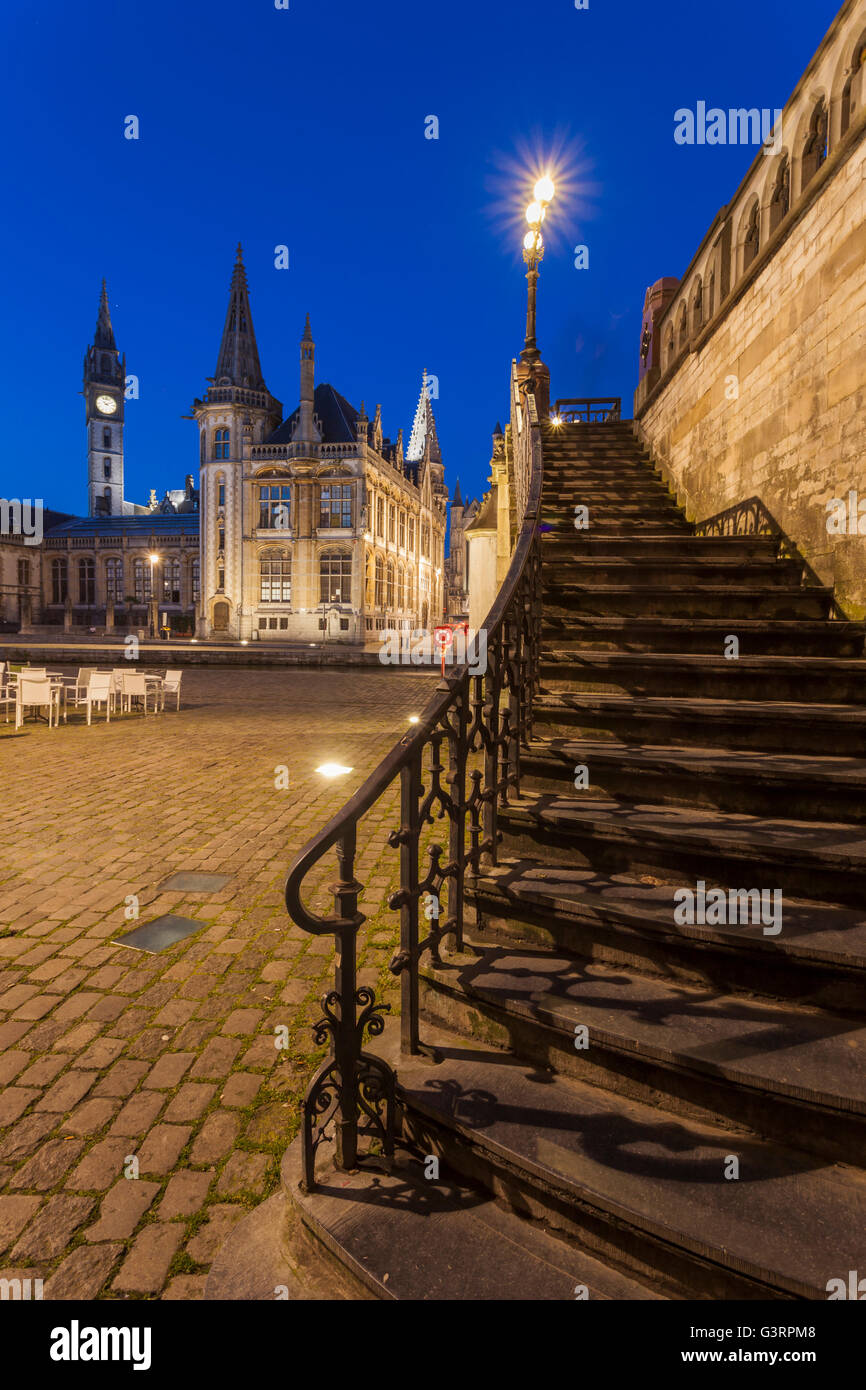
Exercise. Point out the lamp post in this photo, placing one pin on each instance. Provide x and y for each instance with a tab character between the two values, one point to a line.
153	557
533	254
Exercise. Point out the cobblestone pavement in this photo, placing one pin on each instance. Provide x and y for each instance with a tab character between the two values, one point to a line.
114	1061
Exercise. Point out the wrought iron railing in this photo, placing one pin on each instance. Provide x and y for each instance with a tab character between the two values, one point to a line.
480	713
589	409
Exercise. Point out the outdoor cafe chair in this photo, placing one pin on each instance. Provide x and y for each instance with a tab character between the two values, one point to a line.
171	686
36	692
99	692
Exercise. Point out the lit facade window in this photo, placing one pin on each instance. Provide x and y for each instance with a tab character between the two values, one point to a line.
335	506
221	444
275	572
59	581
195	574
380	582
275	508
114	580
86	581
335	578
171	581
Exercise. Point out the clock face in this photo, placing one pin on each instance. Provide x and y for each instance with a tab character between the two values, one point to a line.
106	405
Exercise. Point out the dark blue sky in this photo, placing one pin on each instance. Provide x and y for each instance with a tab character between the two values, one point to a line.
305	127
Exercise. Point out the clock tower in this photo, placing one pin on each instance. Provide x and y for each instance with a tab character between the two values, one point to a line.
104	381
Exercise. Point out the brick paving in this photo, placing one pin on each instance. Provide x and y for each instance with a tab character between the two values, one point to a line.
144	1106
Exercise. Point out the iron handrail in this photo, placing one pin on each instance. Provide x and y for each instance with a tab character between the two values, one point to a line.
352	1089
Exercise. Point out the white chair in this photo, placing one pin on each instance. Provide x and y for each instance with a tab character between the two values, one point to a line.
76	686
36	693
7	690
99	692
135	689
171	686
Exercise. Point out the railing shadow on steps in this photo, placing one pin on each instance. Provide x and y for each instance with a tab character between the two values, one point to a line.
752	517
476	714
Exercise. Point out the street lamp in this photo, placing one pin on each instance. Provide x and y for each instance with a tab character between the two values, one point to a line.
533	254
153	557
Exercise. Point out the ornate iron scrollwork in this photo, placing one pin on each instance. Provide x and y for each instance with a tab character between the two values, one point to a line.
473	717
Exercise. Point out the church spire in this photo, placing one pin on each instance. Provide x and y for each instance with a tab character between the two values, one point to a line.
104	336
238	360
424	435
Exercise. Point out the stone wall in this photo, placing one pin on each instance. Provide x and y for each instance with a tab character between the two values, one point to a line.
760	390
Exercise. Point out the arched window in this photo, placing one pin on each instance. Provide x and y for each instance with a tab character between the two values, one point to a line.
221	444
106	366
853	87
275	573
389	584
380	582
141	581
106	438
335	578
815	148
195	579
781	199
59	583
106	468
683	335
202	453
171	581
114	580
671	349
711	300
392	524
86	580
411	535
401	533
752	239
697	306
380	517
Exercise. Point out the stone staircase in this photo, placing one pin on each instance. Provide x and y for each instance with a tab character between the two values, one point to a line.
605	1070
625	1102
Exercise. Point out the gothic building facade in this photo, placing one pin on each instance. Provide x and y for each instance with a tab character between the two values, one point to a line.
306	527
313	525
457	561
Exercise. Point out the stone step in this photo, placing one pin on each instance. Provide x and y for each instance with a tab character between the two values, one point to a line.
766	725
636	1185
579	632
564	599
819	957
801	787
773	1069
611	523
678	546
581	568
825	680
465	1247
824	860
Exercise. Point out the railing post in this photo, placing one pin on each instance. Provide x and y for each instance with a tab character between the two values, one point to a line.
347	1044
410	830
457	791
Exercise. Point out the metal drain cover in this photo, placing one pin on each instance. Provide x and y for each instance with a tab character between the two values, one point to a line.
195	882
159	934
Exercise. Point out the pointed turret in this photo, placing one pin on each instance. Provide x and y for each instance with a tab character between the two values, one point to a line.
238	362
104	335
424	429
305	430
457	500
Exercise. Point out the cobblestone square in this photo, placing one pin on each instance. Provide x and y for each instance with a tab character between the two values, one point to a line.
144	1104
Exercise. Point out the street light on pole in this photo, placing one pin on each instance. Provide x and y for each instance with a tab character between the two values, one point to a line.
533	254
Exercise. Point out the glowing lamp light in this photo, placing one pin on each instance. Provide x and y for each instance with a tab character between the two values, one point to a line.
333	769
413	719
535	214
153	558
244	642
544	189
532	241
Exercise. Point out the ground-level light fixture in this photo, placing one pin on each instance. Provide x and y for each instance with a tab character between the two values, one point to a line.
413	719
333	769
